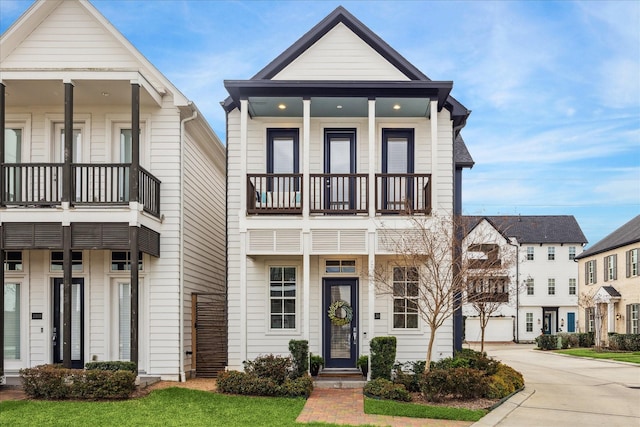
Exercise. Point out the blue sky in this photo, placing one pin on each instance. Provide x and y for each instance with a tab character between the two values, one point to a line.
554	86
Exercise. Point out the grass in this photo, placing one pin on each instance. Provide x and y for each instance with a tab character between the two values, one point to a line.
393	408
167	407
631	357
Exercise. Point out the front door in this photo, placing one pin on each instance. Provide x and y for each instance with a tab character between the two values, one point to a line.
77	321
340	164
340	314
397	167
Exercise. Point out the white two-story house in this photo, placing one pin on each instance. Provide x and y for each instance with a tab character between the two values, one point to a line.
112	198
329	147
542	281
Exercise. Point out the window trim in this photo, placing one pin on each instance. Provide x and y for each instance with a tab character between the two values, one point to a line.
528	323
573	286
551	253
409	134
392	311
572	253
341	267
551	286
611	267
530	253
293	133
631	258
532	288
296	299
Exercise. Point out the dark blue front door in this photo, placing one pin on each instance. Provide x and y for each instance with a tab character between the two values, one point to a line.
571	322
340	325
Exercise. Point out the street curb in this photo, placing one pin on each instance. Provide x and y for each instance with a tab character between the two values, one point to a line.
498	414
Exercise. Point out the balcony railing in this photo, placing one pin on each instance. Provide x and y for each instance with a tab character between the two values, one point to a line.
40	185
274	193
339	194
403	193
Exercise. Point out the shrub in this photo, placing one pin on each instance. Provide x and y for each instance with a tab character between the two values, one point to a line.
504	382
460	383
113	365
385	389
236	382
564	339
53	382
468	358
547	342
383	354
408	374
276	368
586	339
300	356
624	342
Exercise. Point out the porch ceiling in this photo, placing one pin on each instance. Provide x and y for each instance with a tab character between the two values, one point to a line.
32	93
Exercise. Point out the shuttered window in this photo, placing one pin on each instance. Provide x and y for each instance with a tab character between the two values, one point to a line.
632	262
590	272
611	267
12	321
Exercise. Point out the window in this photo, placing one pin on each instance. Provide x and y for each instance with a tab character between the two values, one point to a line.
572	253
13	154
590	315
283	156
282	295
632	262
57	260
13	261
551	253
590	272
572	286
405	297
610	267
124	321
121	261
530	286
551	286
529	321
488	289
530	253
340	266
12	321
633	316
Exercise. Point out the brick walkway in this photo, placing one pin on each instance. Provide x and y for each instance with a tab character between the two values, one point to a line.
346	406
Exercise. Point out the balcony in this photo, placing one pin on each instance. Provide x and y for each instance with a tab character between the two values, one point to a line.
339	194
39	185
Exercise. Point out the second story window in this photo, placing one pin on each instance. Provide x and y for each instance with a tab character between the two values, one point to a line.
530	286
551	253
530	253
13	261
572	286
590	272
57	259
572	253
610	265
632	262
551	288
283	152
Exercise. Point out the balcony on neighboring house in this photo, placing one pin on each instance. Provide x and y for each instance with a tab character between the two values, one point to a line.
339	194
40	185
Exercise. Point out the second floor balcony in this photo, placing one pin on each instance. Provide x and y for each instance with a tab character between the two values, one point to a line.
339	194
40	185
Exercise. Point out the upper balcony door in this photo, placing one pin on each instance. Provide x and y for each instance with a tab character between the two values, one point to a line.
340	165
12	154
78	155
397	166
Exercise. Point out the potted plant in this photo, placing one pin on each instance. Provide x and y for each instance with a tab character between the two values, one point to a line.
315	362
363	364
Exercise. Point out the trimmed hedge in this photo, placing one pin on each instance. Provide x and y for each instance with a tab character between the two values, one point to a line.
385	389
504	382
383	355
300	356
586	339
624	342
547	342
55	382
459	383
276	368
235	382
114	365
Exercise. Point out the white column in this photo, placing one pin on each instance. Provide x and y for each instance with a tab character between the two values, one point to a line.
611	319
372	158
433	111
306	285
244	120
306	156
372	286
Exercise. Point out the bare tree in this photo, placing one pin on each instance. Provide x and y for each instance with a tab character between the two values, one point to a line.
421	274
588	301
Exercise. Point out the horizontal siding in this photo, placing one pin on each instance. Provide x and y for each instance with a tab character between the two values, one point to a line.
340	55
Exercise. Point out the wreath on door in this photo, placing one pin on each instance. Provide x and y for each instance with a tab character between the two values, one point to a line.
340	307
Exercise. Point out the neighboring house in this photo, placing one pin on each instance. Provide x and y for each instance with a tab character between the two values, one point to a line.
544	299
609	282
105	165
327	146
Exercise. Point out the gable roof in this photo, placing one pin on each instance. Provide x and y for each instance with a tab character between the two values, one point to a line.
534	229
627	234
40	10
341	15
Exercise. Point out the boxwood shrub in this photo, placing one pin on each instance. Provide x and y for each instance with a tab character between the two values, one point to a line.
235	382
547	342
385	389
300	357
55	382
459	383
624	342
383	355
113	365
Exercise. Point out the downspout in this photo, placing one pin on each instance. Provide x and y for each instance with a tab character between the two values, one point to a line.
517	334
181	255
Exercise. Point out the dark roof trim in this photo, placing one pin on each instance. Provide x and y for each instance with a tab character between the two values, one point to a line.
340	14
627	234
242	89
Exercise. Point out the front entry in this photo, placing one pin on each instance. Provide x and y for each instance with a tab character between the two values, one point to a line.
550	325
77	321
340	325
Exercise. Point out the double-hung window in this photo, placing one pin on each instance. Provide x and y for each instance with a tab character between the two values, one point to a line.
551	253
529	321
633	318
611	267
530	286
282	297
572	253
405	297
632	262
590	272
530	253
551	286
572	286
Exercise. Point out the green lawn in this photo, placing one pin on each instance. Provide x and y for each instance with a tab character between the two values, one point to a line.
167	407
632	357
389	407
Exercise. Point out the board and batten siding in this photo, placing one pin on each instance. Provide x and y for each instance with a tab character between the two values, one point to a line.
340	55
204	226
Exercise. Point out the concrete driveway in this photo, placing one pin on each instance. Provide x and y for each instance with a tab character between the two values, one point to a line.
566	391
